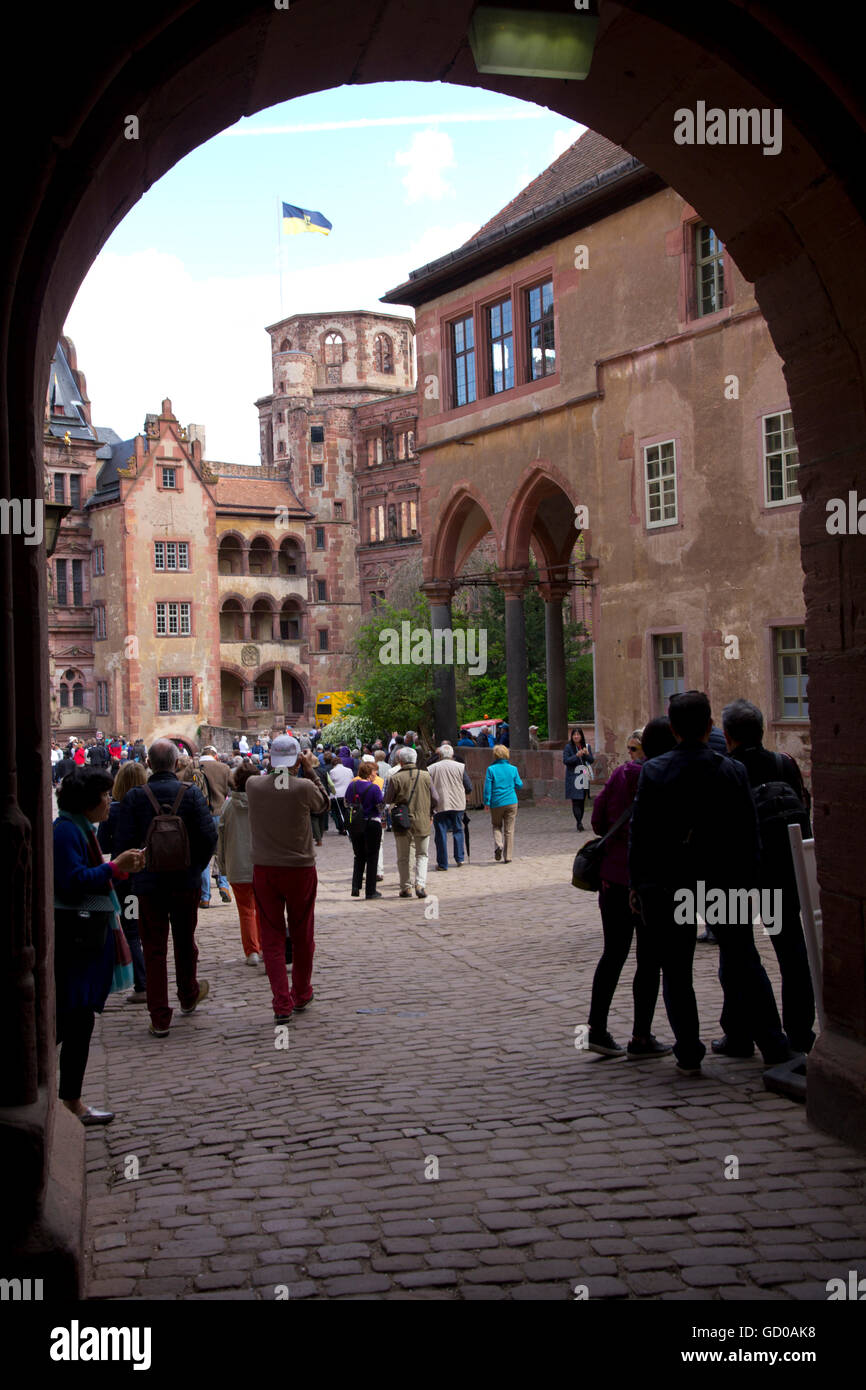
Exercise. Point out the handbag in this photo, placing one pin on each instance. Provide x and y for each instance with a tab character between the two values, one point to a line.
123	972
82	927
401	819
586	869
357	819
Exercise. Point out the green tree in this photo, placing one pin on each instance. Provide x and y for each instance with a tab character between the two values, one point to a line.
393	696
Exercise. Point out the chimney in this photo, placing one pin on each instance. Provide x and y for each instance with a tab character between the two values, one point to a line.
196	432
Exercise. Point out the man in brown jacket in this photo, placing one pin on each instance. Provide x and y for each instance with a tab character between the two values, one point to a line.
216	775
410	785
284	868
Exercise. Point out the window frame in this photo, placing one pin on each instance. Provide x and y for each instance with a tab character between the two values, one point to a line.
790	501
778	655
317	532
456	354
182	707
180	605
527	291
501	337
659	700
664	521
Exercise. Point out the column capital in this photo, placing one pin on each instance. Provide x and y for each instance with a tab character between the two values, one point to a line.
438	590
512	582
554	583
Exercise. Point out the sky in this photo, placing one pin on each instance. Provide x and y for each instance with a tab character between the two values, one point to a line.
177	302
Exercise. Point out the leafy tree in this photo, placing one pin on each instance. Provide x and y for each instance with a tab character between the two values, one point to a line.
349	729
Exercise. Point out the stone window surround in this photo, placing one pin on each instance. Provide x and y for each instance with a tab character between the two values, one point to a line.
654	703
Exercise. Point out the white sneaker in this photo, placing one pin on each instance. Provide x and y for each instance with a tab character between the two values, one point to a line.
254	958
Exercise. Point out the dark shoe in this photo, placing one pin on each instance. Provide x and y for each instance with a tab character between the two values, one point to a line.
497	855
368	896
203	991
604	1045
224	896
157	1032
405	892
723	1047
689	1071
380	878
706	938
299	1008
420	892
651	1048
204	903
282	1018
458	863
317	842
96	1117
356	892
138	996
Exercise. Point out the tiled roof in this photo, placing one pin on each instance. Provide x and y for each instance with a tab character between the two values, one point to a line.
590	155
255	494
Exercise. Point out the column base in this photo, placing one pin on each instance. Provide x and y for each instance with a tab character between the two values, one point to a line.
836	1088
48	1242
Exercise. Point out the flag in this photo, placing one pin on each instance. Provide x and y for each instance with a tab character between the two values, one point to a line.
297	220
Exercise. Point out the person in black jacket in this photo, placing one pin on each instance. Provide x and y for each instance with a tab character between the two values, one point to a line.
168	898
694	826
743	724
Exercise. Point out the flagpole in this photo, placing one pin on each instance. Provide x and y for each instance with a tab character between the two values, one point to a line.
280	251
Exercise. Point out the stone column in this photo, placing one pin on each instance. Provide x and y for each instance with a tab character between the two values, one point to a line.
513	584
247	626
444	683
554	590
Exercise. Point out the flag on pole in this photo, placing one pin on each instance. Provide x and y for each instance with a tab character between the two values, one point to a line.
297	220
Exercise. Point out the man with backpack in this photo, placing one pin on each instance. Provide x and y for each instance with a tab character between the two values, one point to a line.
171	821
212	779
780	800
694	828
412	798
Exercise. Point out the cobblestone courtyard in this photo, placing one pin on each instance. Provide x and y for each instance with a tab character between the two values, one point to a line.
450	1042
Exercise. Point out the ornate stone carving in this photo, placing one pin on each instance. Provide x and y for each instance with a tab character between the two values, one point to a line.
249	655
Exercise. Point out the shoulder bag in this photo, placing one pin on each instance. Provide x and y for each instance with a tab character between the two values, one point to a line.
586	869
401	818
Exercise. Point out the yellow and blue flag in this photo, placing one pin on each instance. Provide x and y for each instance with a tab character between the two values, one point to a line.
297	220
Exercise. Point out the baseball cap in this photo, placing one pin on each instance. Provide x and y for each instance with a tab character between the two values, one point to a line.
368	758
284	751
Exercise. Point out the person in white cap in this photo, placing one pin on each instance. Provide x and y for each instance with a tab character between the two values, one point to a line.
284	868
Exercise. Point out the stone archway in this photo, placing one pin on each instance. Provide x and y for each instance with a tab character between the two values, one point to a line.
794	224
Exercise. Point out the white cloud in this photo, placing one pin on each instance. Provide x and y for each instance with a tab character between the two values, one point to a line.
430	153
562	139
145	328
531	113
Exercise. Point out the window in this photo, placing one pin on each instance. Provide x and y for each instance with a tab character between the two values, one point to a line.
261	697
377	597
333	358
321	590
60	589
323	639
791	673
64	697
338	511
99	559
78	695
463	360
501	337
317	434
174	694
709	270
318	474
408	519
670	667
540	327
75	490
173	619
169	479
377	523
60	488
290	625
102	697
374	450
99	620
781	459
660	465
171	555
320	538
383	354
77	583
406	444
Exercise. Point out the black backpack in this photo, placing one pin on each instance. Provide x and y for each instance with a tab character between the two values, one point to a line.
778	805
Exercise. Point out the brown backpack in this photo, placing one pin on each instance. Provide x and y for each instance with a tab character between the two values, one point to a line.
166	845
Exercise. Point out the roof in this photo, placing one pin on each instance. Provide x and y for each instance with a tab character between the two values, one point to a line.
592	154
255	495
116	454
66	408
589	180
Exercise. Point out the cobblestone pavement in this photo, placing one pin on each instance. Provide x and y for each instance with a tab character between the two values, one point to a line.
450	1042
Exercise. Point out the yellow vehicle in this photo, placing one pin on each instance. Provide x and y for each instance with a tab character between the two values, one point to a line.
331	705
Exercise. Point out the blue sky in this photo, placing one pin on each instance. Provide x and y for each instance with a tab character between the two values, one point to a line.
176	303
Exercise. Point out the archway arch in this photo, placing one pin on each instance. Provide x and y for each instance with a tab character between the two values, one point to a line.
196	69
540	514
463	522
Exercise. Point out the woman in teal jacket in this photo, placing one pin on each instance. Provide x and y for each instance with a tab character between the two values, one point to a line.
500	795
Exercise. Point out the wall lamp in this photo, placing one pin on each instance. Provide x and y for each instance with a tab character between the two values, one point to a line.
534	43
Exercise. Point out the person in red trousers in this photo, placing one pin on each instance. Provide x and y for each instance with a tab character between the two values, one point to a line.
284	868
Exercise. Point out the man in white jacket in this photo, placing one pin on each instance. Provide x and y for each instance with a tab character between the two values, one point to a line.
341	777
450	779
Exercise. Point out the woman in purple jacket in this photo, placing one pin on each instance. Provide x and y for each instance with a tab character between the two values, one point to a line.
362	792
618	921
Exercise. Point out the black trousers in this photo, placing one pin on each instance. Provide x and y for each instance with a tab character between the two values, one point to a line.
577	804
74	1031
674	945
338	813
619	925
366	850
320	824
798	998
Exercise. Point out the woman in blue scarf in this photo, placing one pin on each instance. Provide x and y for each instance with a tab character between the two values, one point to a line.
85	905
